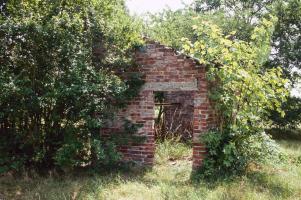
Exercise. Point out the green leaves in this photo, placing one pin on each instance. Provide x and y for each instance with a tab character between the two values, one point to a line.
57	83
170	27
245	90
286	38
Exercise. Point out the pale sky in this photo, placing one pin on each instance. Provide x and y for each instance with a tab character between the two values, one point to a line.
297	90
140	7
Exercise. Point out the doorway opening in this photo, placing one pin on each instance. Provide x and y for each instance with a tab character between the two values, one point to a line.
174	116
173	129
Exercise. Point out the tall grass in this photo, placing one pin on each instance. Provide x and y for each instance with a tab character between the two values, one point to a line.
172	150
169	179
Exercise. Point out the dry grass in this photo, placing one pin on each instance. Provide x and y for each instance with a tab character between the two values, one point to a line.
169	179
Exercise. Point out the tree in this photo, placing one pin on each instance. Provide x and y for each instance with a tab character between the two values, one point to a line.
287	39
243	93
245	90
170	26
57	86
239	15
243	16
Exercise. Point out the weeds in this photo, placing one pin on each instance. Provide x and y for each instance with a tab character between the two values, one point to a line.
173	150
169	179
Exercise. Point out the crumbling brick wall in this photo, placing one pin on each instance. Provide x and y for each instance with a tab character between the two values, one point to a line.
166	70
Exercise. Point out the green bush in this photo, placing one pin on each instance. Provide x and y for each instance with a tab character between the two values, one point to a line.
242	91
57	88
232	153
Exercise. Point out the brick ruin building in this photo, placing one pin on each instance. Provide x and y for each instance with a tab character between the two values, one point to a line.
182	80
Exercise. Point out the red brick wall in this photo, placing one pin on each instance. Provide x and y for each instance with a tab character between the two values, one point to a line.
166	70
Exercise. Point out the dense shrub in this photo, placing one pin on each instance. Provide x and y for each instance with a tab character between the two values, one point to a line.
57	87
233	153
243	92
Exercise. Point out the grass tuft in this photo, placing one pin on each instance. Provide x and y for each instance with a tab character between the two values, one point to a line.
172	150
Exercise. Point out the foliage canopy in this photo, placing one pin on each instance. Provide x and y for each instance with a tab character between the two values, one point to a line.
243	92
57	83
